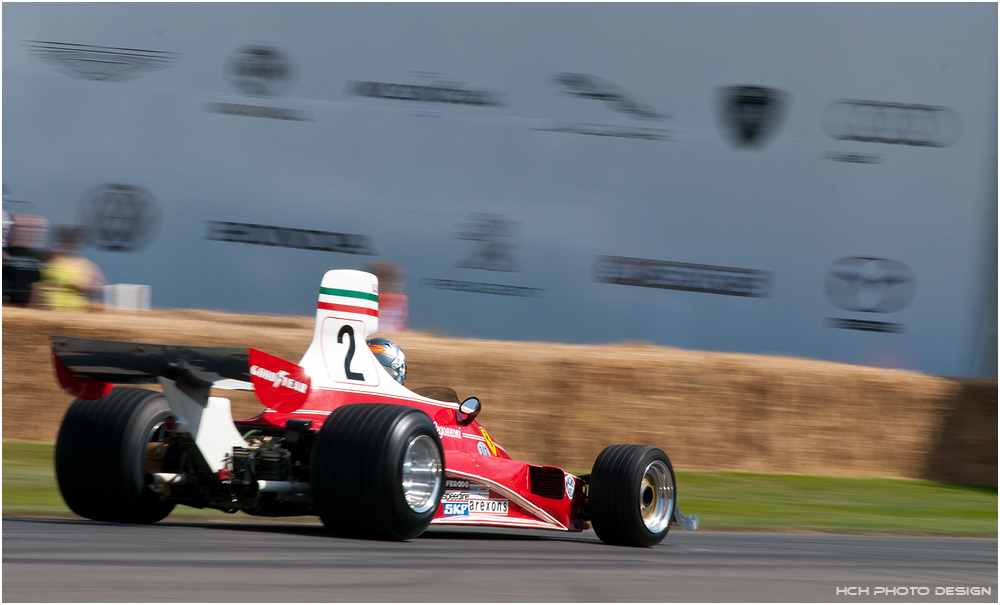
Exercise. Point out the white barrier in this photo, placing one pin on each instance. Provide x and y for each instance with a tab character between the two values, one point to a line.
127	297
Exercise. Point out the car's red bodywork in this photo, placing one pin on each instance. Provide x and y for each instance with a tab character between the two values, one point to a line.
476	467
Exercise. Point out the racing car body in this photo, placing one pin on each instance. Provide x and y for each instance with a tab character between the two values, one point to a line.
338	438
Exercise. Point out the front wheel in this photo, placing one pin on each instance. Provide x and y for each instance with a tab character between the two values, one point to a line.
632	495
377	471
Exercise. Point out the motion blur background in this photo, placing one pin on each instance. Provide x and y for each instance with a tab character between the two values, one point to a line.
814	180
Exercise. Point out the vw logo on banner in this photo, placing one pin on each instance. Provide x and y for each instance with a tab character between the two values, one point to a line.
119	218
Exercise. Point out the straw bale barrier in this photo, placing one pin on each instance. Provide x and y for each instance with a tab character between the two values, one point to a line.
561	404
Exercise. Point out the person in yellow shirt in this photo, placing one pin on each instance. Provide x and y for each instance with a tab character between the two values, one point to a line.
68	279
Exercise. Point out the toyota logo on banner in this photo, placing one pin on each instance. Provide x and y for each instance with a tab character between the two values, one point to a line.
751	114
261	71
119	218
892	123
870	285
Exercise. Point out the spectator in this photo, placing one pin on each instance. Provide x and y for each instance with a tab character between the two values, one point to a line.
22	247
68	279
393	306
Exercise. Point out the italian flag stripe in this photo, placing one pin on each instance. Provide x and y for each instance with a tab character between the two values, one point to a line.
348	309
349	294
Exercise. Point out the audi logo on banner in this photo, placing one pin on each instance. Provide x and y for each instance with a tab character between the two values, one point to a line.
892	123
870	285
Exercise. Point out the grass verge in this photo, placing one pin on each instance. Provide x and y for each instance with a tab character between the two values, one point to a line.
723	501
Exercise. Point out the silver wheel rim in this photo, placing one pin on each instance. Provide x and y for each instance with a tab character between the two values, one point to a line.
422	470
656	496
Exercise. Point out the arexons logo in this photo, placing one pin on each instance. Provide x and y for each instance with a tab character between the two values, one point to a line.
261	70
751	114
107	63
119	217
891	123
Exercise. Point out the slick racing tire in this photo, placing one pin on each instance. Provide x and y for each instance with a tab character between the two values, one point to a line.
101	454
632	495
377	471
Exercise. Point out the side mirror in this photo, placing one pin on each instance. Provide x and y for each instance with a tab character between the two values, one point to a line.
469	410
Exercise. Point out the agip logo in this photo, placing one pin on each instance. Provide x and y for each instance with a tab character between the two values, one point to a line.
261	71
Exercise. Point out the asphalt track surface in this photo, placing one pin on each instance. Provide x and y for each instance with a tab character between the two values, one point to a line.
67	560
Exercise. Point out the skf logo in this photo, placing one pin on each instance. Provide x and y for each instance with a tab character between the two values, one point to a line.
456	509
261	71
870	285
751	114
891	123
119	217
489	442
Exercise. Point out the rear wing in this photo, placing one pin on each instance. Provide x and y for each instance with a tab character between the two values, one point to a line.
88	367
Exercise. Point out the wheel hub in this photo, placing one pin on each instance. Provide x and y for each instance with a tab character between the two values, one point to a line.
422	470
656	496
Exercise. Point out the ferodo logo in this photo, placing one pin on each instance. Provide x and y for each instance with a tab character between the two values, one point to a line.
280	385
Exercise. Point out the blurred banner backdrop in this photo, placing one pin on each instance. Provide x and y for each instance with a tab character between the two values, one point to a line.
814	180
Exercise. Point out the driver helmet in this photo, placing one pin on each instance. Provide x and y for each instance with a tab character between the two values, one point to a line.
390	356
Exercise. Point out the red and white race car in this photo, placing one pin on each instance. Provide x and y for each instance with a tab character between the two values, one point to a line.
339	438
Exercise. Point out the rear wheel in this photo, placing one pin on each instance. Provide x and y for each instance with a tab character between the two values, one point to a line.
377	471
632	495
101	456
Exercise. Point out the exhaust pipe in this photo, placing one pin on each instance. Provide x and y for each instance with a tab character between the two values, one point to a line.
169	478
283	487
